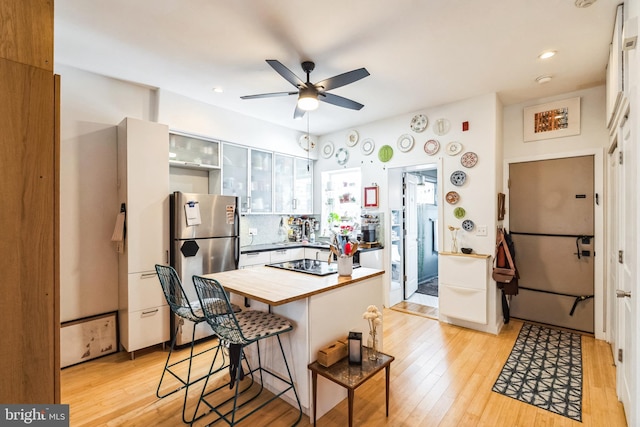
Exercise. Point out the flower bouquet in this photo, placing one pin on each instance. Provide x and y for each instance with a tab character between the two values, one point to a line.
374	317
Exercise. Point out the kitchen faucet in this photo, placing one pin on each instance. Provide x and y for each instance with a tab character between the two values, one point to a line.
306	222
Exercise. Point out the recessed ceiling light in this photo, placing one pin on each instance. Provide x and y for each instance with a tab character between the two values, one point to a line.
543	79
547	54
584	3
218	90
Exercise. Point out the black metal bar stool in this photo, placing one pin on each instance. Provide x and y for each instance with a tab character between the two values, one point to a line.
241	330
180	306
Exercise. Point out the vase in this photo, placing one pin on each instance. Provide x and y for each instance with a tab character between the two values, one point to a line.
372	343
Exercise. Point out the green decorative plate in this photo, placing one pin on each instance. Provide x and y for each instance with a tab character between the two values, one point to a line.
459	213
385	153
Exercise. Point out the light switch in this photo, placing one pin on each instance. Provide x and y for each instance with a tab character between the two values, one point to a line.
481	230
253	231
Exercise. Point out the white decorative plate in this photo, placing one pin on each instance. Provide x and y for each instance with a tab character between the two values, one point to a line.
431	147
327	149
367	146
469	159
419	123
441	127
305	141
352	138
454	148
342	156
405	143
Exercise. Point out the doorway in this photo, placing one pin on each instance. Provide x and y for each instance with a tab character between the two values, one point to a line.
420	247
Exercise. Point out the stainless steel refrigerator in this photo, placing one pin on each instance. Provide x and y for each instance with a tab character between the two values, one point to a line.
205	238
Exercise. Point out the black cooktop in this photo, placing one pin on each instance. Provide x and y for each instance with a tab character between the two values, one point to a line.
309	266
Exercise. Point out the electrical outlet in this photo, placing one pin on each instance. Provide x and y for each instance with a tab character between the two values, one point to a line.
253	231
481	230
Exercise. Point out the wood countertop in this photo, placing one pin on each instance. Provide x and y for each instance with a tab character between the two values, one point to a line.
274	286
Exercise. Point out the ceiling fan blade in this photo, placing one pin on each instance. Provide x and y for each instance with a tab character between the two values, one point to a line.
298	113
343	79
339	101
268	95
286	73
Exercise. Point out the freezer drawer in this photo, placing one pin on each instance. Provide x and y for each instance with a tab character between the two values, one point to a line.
144	328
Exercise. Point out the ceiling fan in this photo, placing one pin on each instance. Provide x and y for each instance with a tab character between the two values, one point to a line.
308	93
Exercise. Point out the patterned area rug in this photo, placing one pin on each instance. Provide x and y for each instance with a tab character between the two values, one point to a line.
544	369
430	287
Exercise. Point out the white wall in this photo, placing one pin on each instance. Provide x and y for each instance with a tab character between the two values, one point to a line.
91	107
478	194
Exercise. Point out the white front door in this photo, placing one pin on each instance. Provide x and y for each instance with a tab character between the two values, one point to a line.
627	286
411	235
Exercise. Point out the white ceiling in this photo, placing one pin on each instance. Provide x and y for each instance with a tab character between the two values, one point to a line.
420	53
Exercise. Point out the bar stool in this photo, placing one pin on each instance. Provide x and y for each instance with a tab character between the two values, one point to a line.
181	307
241	330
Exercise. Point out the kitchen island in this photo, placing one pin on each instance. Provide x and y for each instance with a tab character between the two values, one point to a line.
322	310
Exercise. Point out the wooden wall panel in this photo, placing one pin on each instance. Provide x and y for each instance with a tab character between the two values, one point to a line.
27	252
26	32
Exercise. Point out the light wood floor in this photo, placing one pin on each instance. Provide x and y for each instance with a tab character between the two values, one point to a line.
442	376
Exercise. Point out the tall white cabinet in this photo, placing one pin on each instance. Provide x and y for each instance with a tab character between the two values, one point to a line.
143	188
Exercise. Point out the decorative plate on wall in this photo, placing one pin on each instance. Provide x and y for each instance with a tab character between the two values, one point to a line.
342	156
352	138
452	197
431	147
441	127
453	148
468	225
459	213
385	153
306	141
405	143
367	146
469	159
458	178
419	123
327	149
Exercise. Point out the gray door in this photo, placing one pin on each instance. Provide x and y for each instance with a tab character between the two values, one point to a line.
551	209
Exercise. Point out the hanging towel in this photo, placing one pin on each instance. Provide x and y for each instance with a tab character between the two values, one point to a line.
118	232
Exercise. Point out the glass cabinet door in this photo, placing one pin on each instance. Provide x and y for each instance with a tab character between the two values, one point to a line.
303	190
185	150
396	247
235	174
261	181
284	184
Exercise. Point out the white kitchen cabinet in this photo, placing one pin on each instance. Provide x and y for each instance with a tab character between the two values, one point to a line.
289	254
235	173
254	259
143	183
463	286
371	259
293	184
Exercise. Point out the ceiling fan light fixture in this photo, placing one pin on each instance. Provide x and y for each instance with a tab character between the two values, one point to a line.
308	100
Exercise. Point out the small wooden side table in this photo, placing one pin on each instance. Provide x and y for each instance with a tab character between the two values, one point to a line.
351	376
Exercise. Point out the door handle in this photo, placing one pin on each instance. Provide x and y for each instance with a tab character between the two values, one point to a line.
622	294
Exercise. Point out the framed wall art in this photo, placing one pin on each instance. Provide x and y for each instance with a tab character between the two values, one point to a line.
552	120
371	197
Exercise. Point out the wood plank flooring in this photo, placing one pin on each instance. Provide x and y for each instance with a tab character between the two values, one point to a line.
442	376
